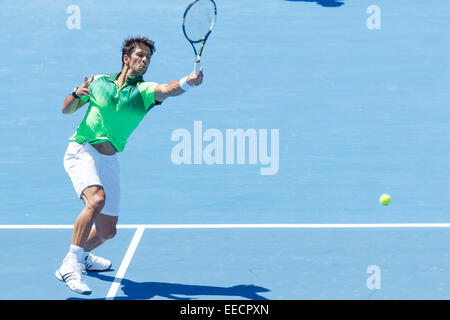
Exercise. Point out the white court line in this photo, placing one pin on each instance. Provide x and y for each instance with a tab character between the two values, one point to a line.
36	226
243	226
288	225
125	263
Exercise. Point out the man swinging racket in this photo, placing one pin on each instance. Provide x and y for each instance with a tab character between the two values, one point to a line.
117	104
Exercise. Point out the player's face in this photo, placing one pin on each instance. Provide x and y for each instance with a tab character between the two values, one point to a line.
139	60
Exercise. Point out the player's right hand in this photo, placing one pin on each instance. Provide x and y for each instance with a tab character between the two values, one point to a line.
195	79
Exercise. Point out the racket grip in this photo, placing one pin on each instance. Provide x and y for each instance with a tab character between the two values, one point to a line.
197	66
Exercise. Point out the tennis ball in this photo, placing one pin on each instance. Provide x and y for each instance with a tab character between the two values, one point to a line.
385	199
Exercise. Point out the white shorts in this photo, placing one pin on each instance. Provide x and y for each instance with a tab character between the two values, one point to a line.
87	167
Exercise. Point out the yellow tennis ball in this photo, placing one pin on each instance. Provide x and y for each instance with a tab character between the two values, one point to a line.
385	199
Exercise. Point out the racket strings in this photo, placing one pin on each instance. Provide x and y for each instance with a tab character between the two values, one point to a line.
199	20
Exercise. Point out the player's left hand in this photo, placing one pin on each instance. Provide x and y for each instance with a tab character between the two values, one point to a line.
195	79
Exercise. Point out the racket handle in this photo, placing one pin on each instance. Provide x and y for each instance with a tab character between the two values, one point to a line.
197	66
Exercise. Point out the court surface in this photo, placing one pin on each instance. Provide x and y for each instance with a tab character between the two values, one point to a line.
356	110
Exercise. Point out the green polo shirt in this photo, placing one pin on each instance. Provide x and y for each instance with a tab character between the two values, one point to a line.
115	112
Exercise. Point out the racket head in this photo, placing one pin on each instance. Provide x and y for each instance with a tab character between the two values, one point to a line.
199	19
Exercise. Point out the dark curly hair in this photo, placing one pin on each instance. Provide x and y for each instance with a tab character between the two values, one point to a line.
131	43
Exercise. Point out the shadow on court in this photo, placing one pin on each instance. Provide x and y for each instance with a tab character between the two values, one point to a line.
148	290
323	3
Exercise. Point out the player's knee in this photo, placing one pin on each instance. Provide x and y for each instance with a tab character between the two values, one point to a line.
97	202
94	198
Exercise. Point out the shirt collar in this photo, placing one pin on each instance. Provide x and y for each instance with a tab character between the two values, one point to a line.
130	80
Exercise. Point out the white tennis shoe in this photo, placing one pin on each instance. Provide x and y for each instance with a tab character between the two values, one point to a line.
94	263
72	273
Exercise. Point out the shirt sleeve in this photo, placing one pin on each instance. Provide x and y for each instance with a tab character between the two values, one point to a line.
85	98
147	90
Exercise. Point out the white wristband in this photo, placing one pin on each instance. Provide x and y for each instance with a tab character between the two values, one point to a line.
184	85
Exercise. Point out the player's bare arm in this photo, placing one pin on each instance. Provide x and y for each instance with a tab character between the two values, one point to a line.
173	88
72	104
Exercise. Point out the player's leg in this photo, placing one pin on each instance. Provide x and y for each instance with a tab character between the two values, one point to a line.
104	229
106	221
85	165
94	200
72	269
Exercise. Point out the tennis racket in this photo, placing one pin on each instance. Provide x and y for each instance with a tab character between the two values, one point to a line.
198	22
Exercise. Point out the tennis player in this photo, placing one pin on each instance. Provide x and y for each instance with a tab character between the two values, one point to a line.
117	104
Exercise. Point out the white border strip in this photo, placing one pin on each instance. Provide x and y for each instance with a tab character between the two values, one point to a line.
125	263
242	226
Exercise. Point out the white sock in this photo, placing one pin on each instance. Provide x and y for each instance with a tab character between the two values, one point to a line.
75	253
84	255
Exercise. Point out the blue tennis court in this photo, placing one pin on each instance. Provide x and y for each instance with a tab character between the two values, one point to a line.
334	102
